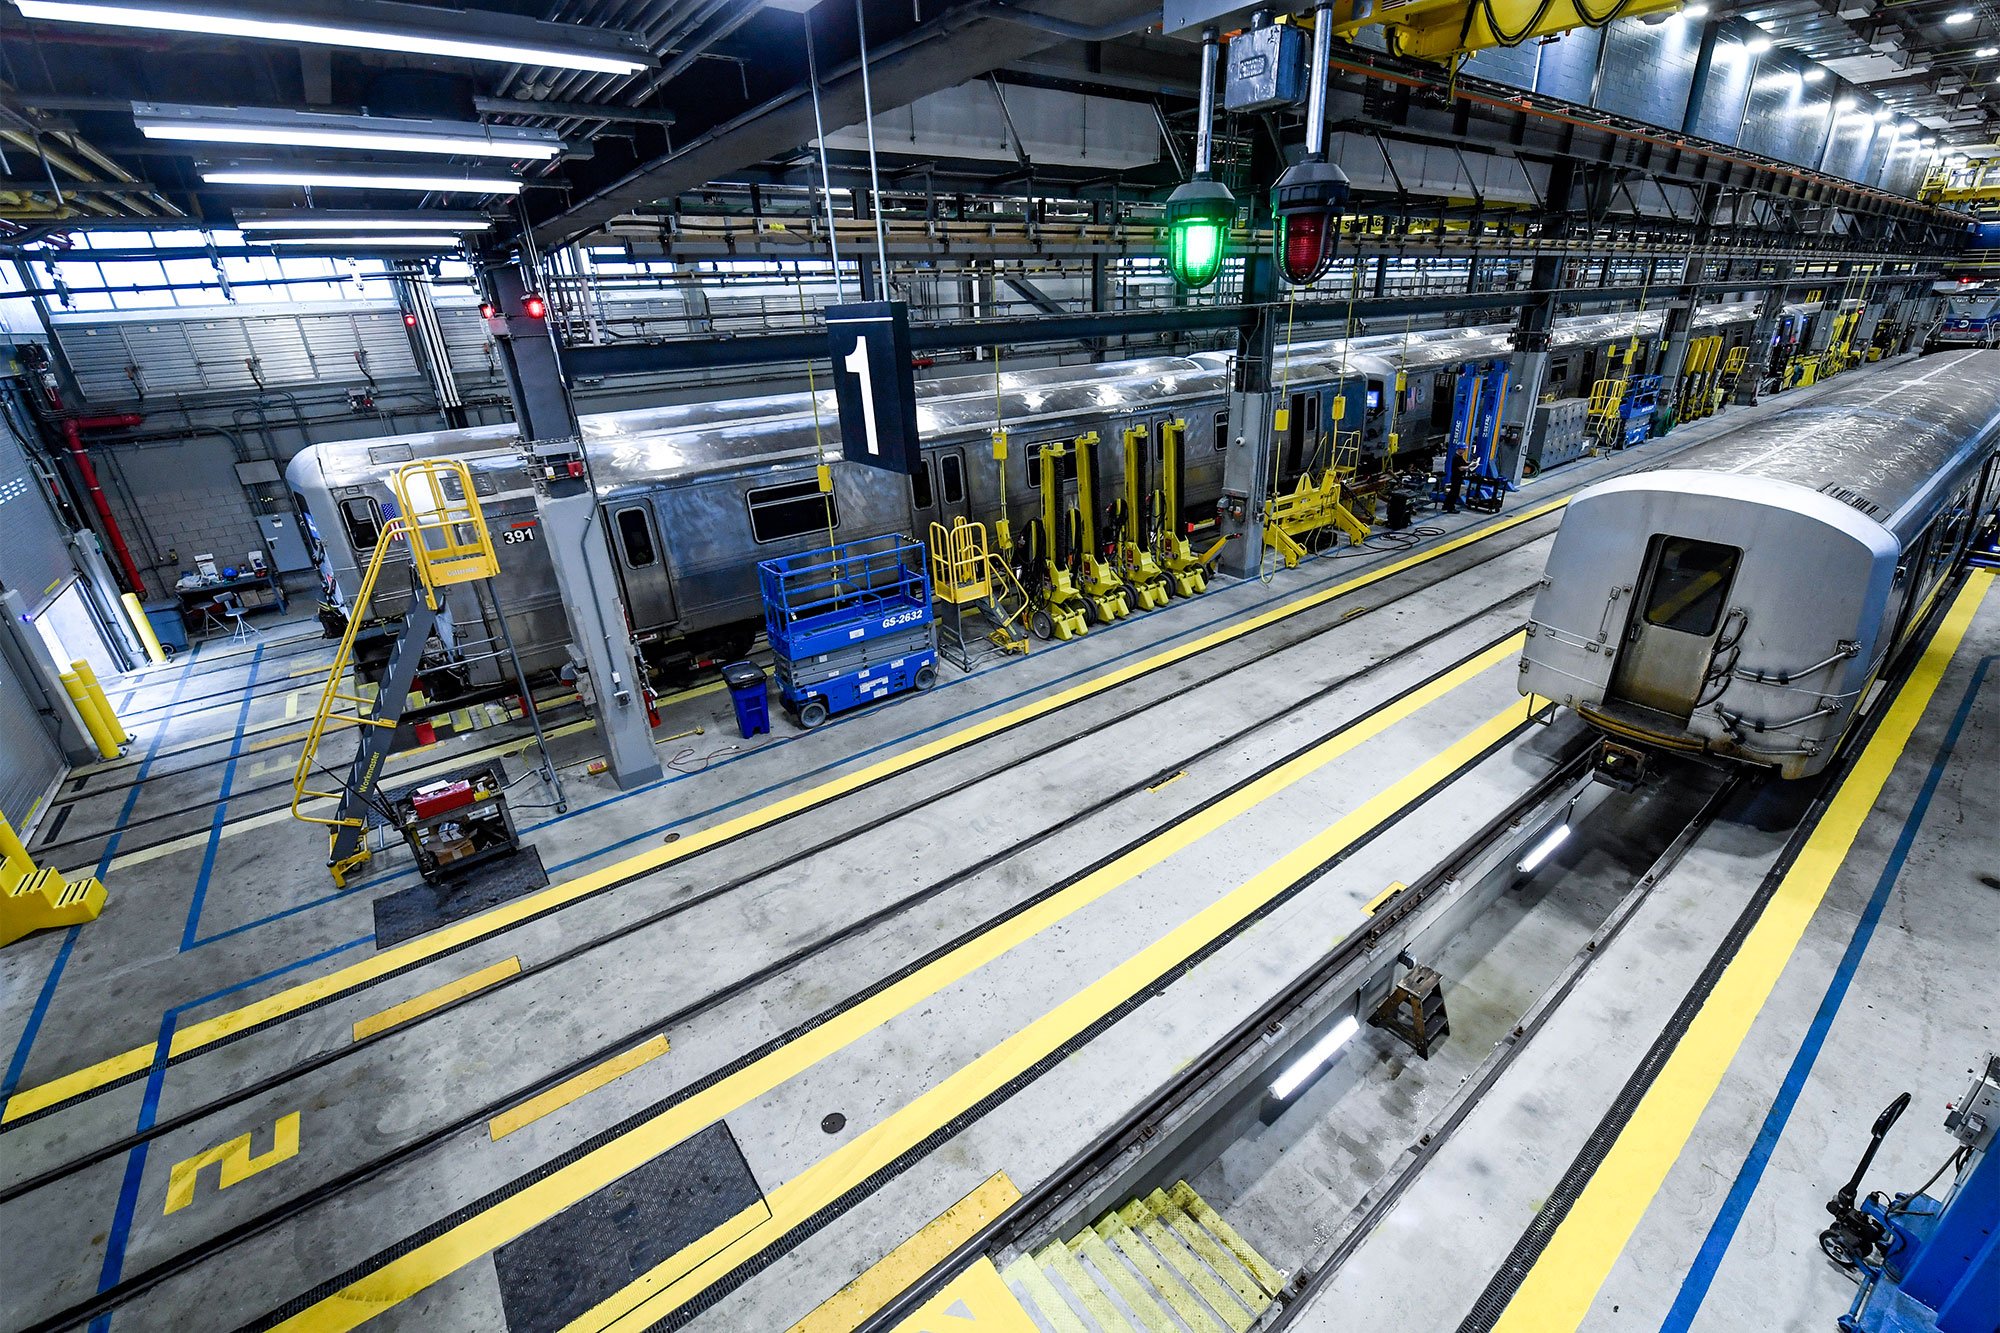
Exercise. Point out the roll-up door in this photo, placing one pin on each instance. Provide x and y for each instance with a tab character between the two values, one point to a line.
29	759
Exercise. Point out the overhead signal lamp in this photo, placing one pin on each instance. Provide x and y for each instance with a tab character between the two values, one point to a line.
1307	202
1199	216
535	306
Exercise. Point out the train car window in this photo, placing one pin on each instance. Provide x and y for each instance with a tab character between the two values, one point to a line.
1690	584
1221	431
363	521
791	510
1312	413
1067	467
635	535
921	494
951	472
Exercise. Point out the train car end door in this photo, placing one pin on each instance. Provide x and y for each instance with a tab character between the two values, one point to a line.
1676	620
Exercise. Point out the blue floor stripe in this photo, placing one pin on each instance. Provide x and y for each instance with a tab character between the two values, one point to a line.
1701	1273
19	1062
191	933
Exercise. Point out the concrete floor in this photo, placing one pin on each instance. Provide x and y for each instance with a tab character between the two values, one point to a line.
754	947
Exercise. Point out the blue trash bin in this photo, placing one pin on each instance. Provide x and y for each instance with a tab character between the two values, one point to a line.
746	691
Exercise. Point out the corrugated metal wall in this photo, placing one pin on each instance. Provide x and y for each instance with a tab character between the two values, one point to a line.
34	558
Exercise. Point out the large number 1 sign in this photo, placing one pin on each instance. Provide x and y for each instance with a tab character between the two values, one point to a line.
857	364
869	345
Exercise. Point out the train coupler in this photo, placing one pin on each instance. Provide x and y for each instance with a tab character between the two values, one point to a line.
1619	766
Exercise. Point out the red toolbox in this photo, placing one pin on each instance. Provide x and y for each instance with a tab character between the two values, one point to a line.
434	801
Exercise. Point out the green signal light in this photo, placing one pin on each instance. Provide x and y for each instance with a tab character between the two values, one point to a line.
1199	215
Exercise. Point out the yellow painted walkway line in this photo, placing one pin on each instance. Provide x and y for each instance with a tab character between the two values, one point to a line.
571	1089
436	998
294	998
1565	1280
912	1261
701	1263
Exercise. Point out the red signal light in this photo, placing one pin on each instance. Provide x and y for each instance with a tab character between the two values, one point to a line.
488	310
409	319
536	307
1306	250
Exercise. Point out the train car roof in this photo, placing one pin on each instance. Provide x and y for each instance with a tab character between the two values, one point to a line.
1879	449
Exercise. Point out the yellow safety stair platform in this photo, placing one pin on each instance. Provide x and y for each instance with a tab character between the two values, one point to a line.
40	897
1166	1262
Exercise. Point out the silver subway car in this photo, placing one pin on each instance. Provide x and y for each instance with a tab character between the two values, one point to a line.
1740	601
697	494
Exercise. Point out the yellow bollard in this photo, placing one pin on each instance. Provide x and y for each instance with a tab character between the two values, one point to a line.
100	731
144	628
97	697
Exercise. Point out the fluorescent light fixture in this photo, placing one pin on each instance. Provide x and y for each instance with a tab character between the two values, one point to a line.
1542	850
314	129
1321	1051
375	27
1958	16
1884	115
439	241
1812	74
1757	46
338	219
1845	106
364	180
1695	11
1985	51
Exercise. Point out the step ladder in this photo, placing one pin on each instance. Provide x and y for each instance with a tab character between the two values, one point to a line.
36	897
450	544
982	607
1166	1263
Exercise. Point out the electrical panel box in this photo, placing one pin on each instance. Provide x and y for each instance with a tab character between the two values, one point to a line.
1266	68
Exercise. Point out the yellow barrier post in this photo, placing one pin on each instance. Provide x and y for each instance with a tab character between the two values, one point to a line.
100	731
143	628
98	697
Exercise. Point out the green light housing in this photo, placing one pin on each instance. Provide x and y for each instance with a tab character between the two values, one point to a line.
1199	216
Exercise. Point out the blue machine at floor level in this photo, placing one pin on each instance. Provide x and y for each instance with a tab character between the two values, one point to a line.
1471	471
849	625
1928	1265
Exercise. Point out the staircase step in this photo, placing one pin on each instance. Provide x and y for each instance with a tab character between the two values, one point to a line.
1235	1313
1196	1207
1186	1305
1028	1280
1056	1260
1114	1272
1210	1250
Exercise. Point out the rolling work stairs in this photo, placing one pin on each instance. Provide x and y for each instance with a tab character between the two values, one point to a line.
1166	1263
449	544
982	607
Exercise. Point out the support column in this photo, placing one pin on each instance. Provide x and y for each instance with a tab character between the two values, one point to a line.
1253	404
412	283
1528	368
1751	381
603	661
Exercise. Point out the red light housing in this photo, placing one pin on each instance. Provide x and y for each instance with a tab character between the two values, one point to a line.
409	319
536	307
1307	249
488	310
1307	202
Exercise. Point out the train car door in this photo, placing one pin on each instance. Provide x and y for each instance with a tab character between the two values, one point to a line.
923	495
1682	604
641	564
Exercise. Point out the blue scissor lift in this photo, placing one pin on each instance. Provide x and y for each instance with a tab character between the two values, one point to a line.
849	625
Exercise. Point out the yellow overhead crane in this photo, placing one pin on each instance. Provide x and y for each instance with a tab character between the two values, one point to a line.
1444	29
1974	181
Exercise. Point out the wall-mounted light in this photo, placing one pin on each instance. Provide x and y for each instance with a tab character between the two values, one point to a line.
1695	11
1756	46
1812	74
534	306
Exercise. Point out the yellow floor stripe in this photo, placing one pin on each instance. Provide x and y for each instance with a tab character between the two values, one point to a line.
798	1199
1375	904
571	1089
901	1268
437	998
976	1301
1559	1289
529	905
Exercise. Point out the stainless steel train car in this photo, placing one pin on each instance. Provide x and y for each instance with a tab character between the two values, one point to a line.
1741	600
695	495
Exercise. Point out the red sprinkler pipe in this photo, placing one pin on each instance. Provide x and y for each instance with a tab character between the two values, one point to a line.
73	428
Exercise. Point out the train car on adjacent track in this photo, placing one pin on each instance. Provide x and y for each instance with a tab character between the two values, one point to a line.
1742	600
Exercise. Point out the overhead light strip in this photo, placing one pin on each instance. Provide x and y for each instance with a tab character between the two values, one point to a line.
284	128
341	180
225	21
335	222
365	242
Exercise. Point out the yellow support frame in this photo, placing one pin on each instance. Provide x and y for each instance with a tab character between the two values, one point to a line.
1135	555
1316	504
1186	572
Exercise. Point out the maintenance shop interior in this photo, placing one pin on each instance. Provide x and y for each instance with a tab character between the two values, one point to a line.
992	666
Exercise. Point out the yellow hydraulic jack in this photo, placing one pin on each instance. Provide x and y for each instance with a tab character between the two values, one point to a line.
1059	608
1100	582
1138	519
1186	573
